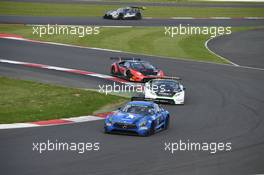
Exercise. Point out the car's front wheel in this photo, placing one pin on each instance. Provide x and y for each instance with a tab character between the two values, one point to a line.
121	16
128	75
151	130
167	123
106	131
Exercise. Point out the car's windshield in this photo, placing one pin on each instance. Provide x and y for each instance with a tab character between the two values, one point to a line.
141	65
166	84
122	10
138	109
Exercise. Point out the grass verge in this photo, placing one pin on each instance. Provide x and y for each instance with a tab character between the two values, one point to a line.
78	10
142	40
25	101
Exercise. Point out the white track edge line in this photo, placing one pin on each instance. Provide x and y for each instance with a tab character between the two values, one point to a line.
223	58
71	120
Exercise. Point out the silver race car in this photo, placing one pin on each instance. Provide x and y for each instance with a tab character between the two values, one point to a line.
132	12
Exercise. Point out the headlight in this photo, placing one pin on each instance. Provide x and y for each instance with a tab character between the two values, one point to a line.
177	94
160	73
109	121
108	124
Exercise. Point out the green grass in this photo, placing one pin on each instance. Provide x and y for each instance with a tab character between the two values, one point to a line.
78	10
23	101
142	40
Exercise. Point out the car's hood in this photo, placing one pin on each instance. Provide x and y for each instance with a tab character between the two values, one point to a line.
147	72
126	117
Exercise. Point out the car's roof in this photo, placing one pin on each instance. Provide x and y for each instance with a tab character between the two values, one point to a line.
143	103
125	7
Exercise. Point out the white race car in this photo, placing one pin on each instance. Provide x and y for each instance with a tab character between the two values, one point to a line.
132	12
163	90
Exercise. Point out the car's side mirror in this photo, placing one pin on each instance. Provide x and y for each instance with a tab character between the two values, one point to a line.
184	88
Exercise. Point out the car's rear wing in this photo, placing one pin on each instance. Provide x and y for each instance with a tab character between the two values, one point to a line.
139	7
125	58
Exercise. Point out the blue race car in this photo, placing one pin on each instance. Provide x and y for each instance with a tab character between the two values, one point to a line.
140	117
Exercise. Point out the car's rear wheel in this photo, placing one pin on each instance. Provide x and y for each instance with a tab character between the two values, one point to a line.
138	16
172	103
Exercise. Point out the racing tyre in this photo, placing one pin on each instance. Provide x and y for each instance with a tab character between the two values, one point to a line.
113	71
138	16
151	130
105	131
128	75
121	16
167	123
172	103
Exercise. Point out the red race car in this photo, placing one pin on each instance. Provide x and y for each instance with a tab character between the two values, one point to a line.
133	69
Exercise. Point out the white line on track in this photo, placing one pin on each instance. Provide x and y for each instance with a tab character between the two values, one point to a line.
254	68
57	68
50	123
16	125
254	17
225	59
83	119
148	18
220	18
69	70
182	18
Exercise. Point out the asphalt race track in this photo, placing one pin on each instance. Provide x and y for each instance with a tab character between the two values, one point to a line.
7	19
249	45
224	103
